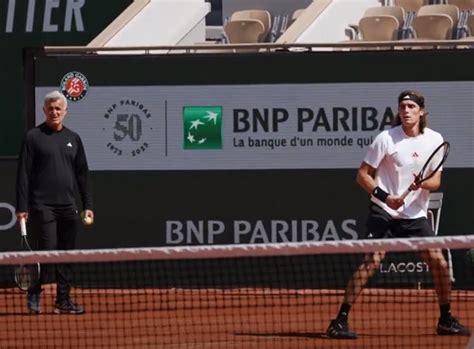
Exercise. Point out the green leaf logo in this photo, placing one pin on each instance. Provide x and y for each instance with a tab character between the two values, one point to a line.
202	127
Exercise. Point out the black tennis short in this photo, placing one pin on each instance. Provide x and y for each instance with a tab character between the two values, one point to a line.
381	225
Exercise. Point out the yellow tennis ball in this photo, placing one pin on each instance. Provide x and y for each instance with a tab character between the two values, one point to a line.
88	220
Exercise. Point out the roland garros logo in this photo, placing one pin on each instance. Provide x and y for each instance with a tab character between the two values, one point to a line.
74	86
129	128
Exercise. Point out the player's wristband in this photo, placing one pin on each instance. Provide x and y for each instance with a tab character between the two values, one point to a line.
380	194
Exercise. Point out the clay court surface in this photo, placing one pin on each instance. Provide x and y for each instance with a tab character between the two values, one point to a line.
229	318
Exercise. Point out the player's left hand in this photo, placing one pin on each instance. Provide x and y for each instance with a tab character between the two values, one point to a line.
88	217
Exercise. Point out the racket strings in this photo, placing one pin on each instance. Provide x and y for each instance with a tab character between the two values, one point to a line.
26	275
434	162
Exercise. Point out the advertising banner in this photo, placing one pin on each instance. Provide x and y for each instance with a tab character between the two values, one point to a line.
251	127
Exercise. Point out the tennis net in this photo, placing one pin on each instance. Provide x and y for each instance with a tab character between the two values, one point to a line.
240	296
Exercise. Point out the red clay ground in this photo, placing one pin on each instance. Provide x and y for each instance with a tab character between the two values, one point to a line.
233	318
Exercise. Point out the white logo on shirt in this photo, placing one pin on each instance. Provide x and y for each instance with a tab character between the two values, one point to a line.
69	145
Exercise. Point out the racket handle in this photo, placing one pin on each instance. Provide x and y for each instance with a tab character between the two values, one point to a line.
23	227
405	193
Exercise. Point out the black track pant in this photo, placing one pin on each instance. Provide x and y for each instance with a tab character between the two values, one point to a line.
54	228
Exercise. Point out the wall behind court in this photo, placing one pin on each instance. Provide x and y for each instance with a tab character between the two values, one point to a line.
172	193
147	135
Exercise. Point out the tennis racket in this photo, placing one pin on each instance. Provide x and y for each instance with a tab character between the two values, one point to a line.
26	275
431	166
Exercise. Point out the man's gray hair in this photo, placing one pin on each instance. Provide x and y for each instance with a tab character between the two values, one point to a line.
54	96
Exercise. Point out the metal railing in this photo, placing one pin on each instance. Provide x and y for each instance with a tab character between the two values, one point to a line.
269	47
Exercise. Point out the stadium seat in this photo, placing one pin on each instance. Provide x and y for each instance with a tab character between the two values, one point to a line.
261	15
436	22
433	27
434	210
434	216
450	10
379	28
382	23
244	31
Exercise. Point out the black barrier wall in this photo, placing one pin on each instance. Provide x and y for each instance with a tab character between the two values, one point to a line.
143	209
136	209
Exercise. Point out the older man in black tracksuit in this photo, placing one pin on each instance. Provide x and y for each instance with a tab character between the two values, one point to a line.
52	165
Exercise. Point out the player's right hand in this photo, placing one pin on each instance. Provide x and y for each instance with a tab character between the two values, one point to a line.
394	202
21	215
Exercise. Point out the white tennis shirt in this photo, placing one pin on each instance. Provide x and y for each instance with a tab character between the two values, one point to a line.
397	158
